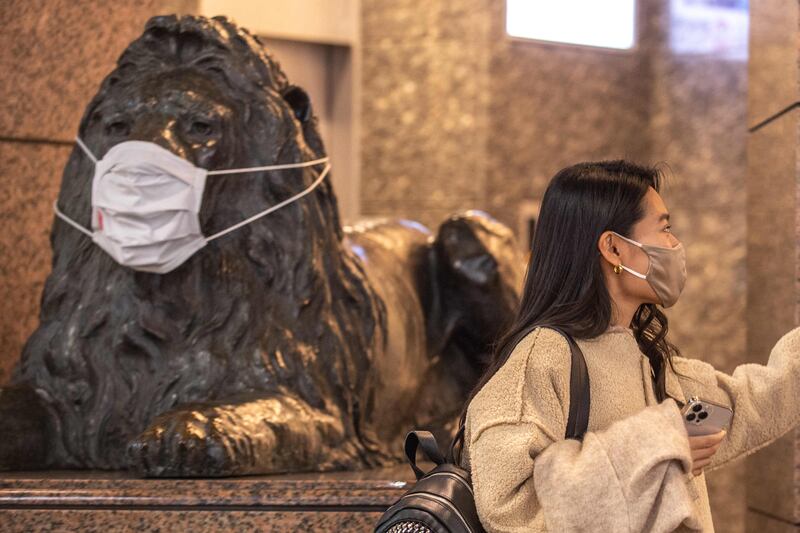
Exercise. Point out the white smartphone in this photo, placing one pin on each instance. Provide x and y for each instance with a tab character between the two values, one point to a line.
702	417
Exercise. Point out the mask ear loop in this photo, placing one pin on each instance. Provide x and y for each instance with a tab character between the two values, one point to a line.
86	150
69	221
631	271
623	267
269	167
279	205
62	215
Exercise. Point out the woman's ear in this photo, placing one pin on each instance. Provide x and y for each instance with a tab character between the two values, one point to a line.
608	248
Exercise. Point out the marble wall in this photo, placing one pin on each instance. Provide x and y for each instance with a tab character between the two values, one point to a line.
55	53
554	105
773	241
425	85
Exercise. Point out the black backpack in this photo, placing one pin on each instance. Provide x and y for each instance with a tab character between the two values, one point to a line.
442	500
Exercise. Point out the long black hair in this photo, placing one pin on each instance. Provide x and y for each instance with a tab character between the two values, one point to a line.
564	284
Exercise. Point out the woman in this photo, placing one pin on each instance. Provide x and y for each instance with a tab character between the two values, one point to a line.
604	259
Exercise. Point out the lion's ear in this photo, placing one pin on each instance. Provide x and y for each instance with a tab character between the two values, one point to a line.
299	101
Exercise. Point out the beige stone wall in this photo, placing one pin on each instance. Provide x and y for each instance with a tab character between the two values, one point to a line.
554	105
54	55
424	110
773	242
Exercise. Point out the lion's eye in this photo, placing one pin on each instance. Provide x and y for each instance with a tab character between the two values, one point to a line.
118	128
200	128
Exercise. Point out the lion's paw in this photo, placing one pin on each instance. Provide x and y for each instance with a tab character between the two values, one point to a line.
186	443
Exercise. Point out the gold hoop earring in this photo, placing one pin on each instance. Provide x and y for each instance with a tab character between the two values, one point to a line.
618	269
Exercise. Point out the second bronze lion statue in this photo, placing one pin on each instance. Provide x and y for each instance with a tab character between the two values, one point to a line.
287	345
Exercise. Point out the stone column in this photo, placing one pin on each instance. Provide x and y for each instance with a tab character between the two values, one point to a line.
773	240
425	84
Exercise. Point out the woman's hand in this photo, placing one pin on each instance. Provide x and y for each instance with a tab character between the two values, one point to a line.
703	449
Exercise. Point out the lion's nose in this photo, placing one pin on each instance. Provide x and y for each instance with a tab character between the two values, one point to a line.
161	131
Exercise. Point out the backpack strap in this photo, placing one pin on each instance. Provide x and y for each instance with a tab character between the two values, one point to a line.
427	441
453	456
579	392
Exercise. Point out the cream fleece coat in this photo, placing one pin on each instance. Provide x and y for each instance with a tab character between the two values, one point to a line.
631	473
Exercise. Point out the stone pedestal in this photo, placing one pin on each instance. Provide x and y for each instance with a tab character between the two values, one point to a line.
103	501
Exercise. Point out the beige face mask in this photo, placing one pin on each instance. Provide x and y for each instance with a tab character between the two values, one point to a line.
666	273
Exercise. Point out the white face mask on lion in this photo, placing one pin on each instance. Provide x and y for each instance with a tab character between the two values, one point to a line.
146	203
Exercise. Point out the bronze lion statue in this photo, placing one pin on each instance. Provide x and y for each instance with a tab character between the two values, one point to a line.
290	344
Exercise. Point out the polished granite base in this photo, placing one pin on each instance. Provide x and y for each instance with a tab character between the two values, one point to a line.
114	501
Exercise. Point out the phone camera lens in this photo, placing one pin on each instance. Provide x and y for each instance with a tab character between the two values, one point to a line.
690	417
703	415
697	408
